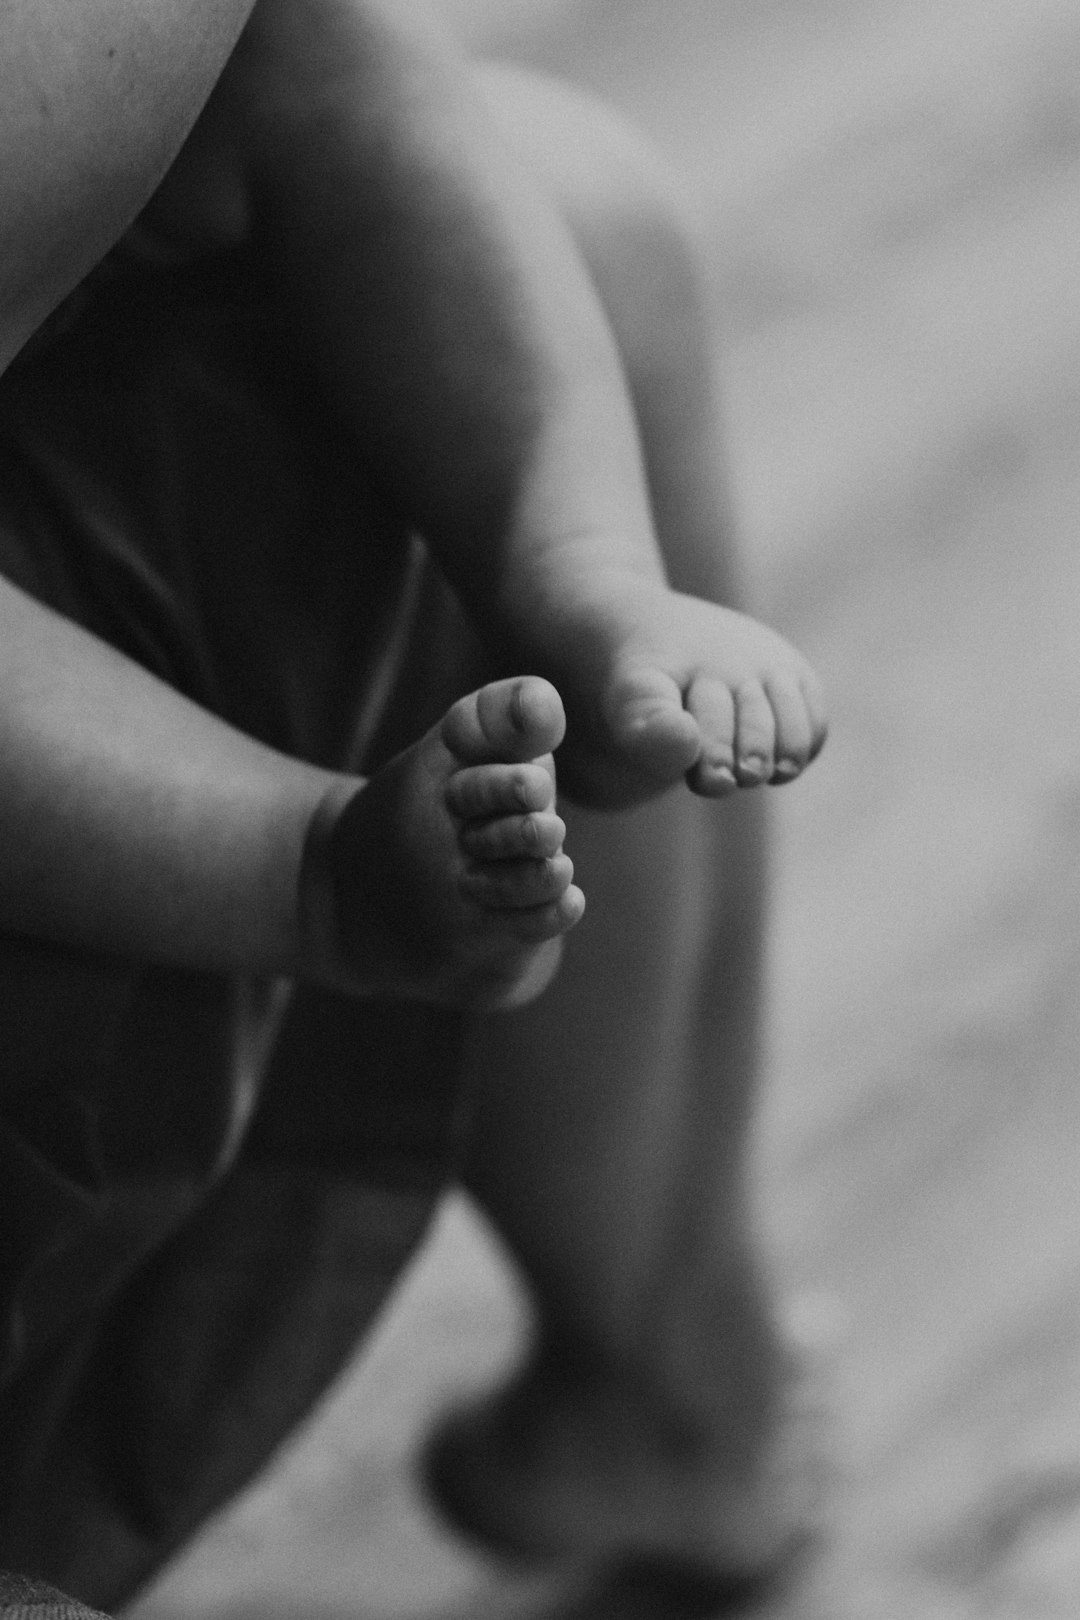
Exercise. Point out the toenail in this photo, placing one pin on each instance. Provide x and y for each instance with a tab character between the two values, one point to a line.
786	770
752	765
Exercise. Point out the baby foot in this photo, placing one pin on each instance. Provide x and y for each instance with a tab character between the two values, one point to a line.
693	690
446	873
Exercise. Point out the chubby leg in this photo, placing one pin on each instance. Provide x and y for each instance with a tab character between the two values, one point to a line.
612	1116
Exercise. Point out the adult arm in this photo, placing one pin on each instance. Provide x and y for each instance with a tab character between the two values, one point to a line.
130	819
96	98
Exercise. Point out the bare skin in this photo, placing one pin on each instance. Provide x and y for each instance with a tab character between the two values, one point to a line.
661	1407
95	103
668	686
524	473
449	878
537	500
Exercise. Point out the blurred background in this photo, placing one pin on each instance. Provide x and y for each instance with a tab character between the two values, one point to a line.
892	191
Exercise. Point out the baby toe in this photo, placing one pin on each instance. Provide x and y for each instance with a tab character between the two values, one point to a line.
712	705
794	729
518	885
515	719
480	792
814	698
536	836
649	724
755	735
532	925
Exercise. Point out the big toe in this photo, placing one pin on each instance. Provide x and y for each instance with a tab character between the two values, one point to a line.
650	726
520	718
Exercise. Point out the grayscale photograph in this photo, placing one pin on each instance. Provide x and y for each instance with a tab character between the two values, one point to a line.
540	810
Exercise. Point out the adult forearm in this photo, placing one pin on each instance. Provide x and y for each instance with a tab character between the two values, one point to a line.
135	821
96	98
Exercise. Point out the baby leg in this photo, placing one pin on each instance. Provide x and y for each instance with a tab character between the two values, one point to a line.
696	673
612	1120
444	877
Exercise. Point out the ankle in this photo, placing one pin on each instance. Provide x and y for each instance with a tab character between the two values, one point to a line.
319	955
